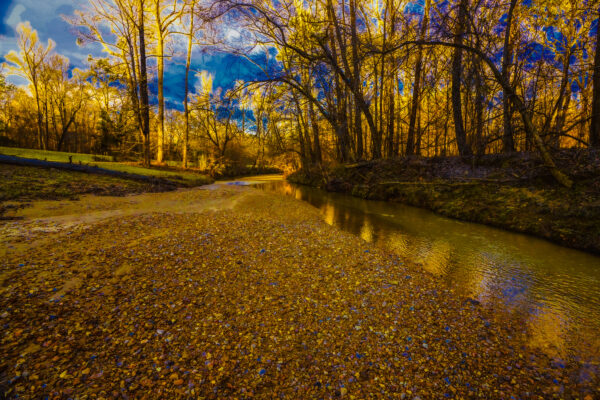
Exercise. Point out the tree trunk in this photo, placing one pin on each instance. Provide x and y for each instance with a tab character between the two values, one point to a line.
46	121
315	129
357	81
304	134
145	103
459	129
415	103
595	125
508	143
391	96
479	110
342	118
390	138
188	62
341	122
161	96
133	85
377	140
39	113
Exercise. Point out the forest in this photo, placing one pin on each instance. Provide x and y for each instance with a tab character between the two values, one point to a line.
335	81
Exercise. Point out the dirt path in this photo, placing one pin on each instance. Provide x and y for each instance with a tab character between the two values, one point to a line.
230	292
44	219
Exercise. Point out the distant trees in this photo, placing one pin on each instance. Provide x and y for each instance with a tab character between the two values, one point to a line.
7	94
339	80
65	95
445	57
125	42
28	63
212	112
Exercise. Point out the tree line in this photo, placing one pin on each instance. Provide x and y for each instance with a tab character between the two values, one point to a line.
106	107
346	80
390	78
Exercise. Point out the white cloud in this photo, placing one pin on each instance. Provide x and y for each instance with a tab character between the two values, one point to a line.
7	43
15	16
81	57
49	7
232	34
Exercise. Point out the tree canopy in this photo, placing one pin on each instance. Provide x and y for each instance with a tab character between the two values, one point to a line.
336	81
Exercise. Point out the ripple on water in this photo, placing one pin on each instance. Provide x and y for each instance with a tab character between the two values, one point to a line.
554	287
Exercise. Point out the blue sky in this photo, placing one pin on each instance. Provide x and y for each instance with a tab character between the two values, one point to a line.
45	17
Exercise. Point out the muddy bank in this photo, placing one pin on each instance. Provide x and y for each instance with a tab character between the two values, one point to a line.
232	293
515	193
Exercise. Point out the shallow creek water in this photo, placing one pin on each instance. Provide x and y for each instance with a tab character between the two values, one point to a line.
556	288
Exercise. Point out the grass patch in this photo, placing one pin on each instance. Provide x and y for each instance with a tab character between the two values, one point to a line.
180	177
22	184
57	156
186	178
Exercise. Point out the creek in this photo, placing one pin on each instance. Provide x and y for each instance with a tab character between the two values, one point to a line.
555	289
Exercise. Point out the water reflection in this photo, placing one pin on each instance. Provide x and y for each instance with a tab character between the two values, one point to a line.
556	287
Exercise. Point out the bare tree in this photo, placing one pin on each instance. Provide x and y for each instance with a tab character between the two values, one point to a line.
457	66
507	53
28	63
191	11
415	103
165	14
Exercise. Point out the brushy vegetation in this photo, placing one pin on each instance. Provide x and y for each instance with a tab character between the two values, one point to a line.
511	192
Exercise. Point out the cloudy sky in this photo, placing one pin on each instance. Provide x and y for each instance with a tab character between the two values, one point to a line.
45	17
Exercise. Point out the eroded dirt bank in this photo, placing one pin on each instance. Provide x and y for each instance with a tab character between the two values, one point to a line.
514	192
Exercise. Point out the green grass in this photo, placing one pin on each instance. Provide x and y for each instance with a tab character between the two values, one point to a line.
20	184
186	178
57	156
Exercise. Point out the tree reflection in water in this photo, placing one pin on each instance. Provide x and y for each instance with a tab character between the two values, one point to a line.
554	287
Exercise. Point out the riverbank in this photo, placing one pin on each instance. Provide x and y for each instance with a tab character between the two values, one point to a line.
21	184
227	291
514	193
